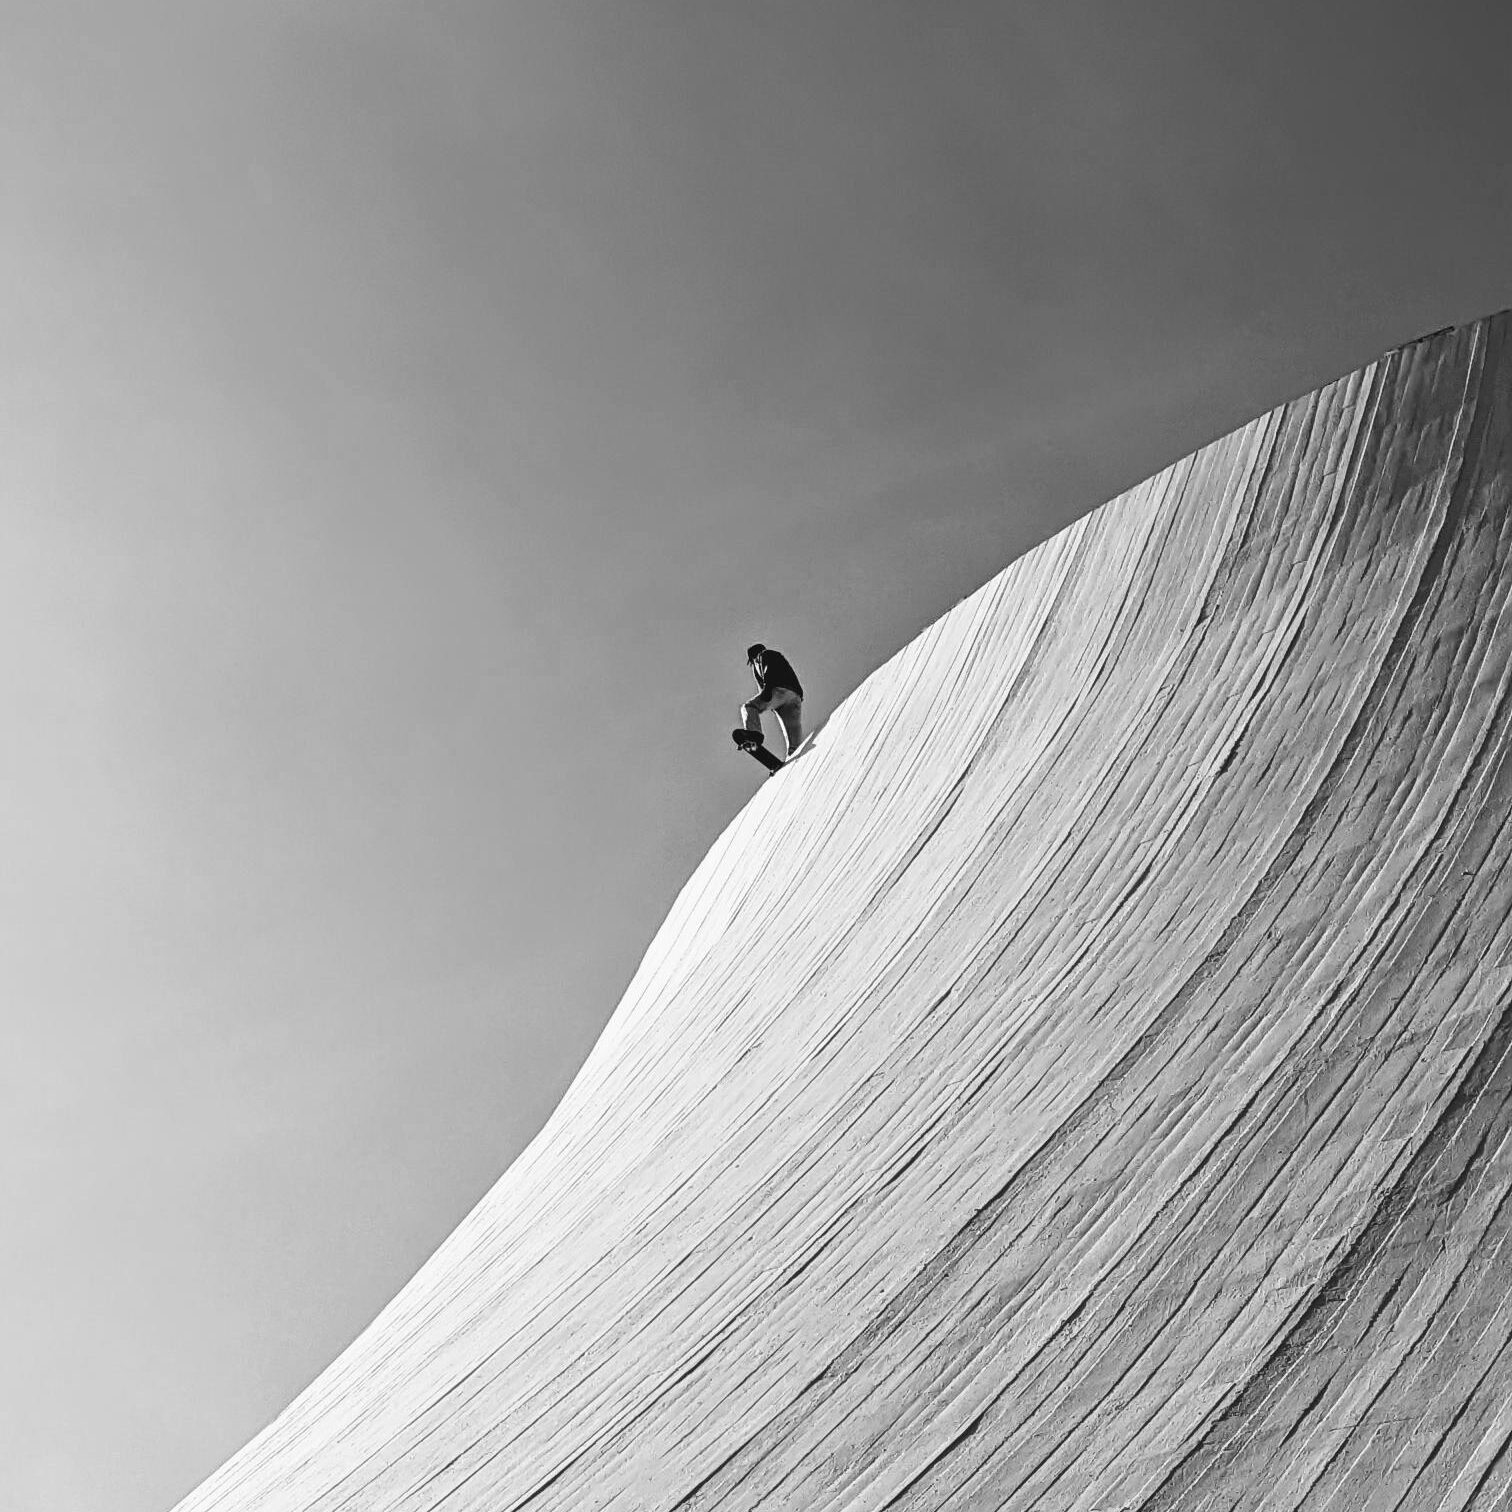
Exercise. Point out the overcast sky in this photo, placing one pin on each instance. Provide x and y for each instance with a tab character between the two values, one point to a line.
408	414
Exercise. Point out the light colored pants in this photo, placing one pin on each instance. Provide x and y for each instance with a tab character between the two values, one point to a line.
786	705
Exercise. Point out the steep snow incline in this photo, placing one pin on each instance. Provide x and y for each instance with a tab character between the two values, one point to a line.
1080	1081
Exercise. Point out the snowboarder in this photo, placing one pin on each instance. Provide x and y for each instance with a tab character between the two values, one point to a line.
779	691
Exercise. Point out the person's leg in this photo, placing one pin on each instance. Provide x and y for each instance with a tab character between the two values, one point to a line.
750	713
788	707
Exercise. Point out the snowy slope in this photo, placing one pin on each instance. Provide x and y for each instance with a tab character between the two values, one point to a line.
1080	1081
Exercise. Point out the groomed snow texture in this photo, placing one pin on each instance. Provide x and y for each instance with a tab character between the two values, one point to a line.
1081	1081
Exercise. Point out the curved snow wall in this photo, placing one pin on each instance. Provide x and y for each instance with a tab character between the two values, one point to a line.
1081	1081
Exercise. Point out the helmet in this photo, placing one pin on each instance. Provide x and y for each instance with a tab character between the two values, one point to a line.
752	652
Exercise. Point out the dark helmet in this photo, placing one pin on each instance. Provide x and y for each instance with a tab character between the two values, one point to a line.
752	652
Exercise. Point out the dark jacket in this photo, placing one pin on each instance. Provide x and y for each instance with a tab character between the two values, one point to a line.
774	670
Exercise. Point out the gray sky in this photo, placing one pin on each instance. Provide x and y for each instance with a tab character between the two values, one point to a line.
408	415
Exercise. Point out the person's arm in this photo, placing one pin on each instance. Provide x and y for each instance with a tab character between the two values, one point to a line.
778	671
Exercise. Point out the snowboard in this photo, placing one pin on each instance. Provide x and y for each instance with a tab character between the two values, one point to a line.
753	745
